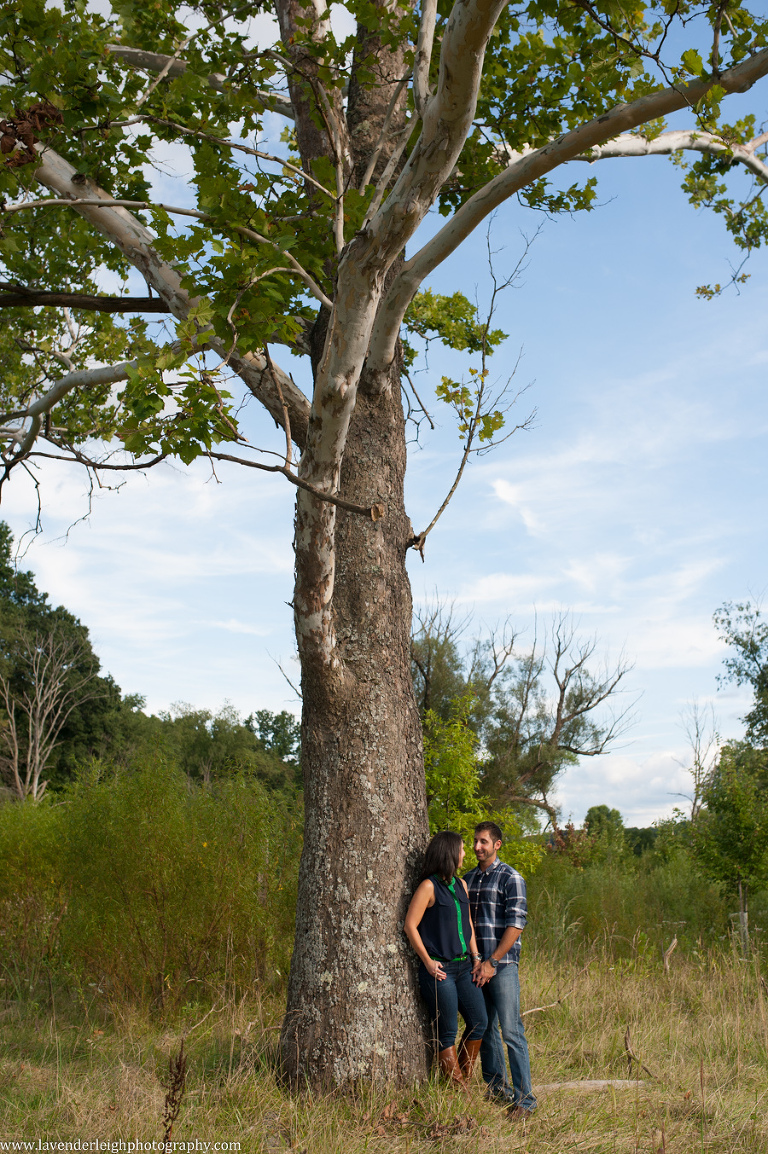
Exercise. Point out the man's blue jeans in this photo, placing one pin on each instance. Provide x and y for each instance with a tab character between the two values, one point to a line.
502	1001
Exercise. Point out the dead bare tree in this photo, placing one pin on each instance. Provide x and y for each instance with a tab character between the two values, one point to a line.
536	710
51	674
699	725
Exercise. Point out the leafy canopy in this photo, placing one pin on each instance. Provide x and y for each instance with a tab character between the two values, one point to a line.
551	65
744	629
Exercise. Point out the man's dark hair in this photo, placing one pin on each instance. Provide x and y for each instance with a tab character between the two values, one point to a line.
491	828
442	856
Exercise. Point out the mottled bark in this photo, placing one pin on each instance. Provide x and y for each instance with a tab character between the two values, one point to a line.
318	112
375	114
353	1010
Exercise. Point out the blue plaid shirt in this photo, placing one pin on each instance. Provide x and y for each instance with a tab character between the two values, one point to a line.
496	900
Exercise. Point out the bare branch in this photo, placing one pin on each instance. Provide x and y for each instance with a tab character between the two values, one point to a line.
484	406
579	694
19	296
500	651
295	689
421	404
374	512
699	725
370	512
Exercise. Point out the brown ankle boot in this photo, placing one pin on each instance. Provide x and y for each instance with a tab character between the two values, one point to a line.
449	1064
468	1051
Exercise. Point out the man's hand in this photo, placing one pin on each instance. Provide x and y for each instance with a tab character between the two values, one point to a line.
482	973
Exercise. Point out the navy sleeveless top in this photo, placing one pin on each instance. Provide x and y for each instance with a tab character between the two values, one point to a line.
446	922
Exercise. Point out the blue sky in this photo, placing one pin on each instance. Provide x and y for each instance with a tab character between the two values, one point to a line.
636	501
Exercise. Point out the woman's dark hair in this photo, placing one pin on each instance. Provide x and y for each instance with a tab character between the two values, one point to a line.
442	856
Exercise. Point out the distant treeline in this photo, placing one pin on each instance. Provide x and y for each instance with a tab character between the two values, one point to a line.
58	710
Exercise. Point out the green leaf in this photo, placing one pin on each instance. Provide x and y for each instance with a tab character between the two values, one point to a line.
693	62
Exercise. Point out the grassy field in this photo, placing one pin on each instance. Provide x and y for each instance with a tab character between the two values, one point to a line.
700	1031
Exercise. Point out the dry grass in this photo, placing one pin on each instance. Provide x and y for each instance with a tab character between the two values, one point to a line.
701	1030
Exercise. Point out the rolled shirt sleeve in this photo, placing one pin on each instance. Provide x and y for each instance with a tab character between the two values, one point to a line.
515	902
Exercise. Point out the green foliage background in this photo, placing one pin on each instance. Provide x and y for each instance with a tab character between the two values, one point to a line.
454	787
141	886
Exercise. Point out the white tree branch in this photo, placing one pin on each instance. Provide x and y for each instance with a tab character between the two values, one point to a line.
424	55
678	141
530	165
81	379
447	120
137	244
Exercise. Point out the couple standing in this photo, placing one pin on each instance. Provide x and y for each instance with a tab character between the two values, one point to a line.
466	933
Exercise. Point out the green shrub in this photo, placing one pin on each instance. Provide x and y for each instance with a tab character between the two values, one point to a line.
33	893
160	890
631	904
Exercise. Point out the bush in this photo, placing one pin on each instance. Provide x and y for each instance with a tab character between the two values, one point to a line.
630	904
159	890
33	893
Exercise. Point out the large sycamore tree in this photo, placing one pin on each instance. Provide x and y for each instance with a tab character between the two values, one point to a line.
316	156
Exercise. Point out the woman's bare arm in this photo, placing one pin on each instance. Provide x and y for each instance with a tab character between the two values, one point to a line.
421	900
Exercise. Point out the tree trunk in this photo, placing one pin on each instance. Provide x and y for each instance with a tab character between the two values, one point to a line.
366	824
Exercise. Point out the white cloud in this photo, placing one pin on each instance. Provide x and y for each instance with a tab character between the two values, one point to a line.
642	789
241	627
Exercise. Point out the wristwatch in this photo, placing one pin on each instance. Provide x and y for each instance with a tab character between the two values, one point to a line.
493	962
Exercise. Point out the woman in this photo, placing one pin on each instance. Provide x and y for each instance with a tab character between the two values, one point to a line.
440	930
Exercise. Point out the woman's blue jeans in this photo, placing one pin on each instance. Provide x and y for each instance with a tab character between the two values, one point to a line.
444	999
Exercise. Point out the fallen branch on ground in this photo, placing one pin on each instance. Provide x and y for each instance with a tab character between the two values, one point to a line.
599	1084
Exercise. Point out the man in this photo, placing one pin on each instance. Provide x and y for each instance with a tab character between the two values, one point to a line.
499	912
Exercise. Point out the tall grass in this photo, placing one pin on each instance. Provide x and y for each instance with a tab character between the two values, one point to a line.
147	888
137	911
700	1030
637	905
